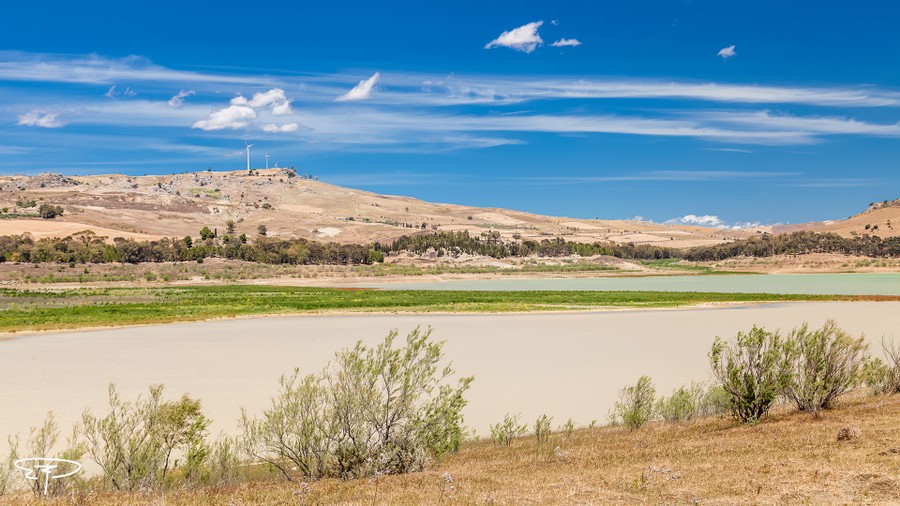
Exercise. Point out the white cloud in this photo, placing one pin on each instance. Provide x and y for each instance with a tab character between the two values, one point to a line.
524	38
361	91
726	52
274	98
242	110
456	90
287	127
37	118
232	117
19	66
113	92
566	42
178	100
706	220
711	220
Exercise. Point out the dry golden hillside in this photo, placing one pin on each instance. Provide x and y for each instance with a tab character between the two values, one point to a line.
146	207
881	219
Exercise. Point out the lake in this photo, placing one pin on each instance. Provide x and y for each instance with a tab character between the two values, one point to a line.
565	365
837	284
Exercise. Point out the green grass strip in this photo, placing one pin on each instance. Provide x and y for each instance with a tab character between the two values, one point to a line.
23	310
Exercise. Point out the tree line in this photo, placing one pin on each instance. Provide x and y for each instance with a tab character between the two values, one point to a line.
86	247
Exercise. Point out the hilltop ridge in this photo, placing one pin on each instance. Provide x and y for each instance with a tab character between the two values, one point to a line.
292	205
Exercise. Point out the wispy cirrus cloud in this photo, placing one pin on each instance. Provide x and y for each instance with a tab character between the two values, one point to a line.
426	111
178	99
94	69
668	175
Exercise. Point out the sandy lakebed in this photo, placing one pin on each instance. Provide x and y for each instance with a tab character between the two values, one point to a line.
565	365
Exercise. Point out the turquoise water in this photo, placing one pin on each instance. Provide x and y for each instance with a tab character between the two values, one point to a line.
839	284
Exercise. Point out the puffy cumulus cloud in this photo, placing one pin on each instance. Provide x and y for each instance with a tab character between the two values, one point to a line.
726	52
706	220
40	119
566	43
287	127
178	100
710	220
242	111
361	91
232	117
524	38
274	99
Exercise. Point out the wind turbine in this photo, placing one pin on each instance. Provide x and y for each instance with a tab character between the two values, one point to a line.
248	154
267	161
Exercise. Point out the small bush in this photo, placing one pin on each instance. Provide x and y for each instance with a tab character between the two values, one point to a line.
824	363
133	444
683	404
504	432
49	211
635	405
384	409
717	401
542	429
6	471
694	401
41	443
752	370
884	377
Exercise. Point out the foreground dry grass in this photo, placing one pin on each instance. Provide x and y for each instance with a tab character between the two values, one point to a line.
789	459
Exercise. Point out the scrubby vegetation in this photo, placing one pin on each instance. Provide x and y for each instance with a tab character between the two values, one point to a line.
383	410
389	410
753	369
824	363
635	405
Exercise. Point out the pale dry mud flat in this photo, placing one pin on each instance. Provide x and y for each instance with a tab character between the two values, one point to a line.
565	365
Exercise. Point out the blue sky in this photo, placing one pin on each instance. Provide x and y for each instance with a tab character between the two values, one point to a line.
740	112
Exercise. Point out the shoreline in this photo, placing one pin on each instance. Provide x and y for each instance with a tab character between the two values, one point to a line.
572	364
11	336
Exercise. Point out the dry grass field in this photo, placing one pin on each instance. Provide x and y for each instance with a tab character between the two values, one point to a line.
291	206
789	459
